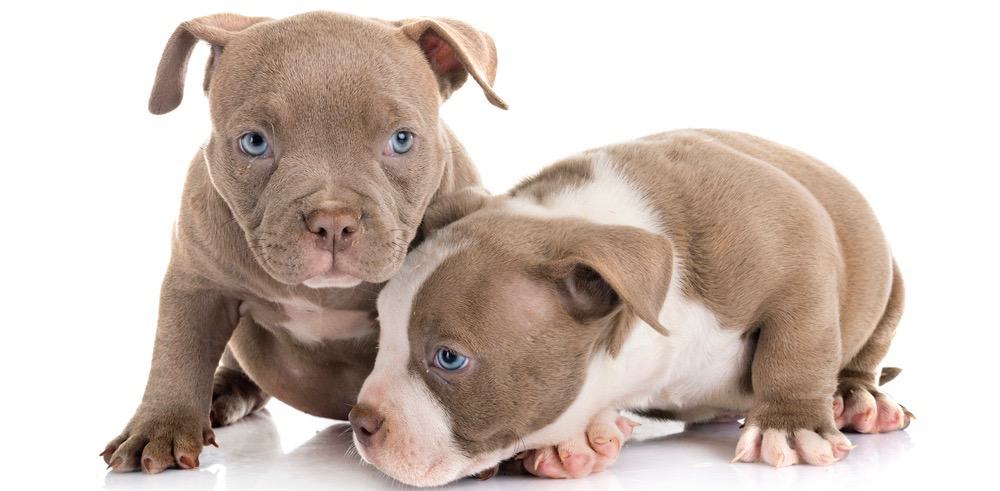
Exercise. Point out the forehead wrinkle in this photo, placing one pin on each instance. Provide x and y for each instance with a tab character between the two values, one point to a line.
268	110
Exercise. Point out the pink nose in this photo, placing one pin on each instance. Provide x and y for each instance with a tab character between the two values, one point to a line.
366	423
336	228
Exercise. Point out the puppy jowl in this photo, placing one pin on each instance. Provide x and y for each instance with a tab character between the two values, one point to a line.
326	149
694	275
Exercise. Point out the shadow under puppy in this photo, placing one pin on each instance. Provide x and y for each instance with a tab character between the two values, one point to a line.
326	148
688	275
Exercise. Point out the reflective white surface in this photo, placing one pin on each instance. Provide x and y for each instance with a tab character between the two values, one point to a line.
281	448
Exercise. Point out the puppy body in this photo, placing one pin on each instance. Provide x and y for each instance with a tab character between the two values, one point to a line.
686	275
326	149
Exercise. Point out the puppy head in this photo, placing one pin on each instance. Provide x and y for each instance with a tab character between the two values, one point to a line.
326	143
490	337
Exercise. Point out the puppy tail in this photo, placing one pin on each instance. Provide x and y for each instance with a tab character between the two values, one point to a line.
888	374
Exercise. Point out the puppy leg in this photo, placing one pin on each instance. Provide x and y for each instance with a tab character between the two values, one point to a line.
793	375
171	424
234	395
588	453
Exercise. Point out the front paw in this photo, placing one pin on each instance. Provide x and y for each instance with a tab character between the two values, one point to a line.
587	453
792	433
154	441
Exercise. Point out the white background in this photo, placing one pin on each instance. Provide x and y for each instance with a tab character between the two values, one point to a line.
901	97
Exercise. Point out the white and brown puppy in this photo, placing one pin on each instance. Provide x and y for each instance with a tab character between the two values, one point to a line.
326	148
686	275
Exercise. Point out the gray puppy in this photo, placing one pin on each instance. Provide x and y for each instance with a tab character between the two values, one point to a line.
326	149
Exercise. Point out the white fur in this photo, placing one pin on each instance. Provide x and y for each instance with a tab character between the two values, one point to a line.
310	323
608	198
418	447
337	281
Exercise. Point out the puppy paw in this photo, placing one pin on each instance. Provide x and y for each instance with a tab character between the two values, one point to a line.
788	447
797	436
862	409
234	396
585	454
153	443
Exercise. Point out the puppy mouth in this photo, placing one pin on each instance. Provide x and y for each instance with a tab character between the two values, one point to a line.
329	273
439	470
332	279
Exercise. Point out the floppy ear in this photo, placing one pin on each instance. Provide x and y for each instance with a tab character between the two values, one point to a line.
455	50
217	30
453	207
604	270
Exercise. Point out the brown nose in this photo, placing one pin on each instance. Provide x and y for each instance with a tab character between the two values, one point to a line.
336	228
366	423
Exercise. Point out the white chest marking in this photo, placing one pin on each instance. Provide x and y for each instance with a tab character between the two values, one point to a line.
705	361
311	323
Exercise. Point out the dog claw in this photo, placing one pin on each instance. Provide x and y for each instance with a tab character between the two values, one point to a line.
209	438
539	460
187	462
563	456
488	473
738	457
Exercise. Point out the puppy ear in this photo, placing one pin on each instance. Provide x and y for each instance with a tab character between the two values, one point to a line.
217	30
455	50
603	270
452	207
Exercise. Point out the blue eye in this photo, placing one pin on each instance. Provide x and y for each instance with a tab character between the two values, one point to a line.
449	360
401	141
254	144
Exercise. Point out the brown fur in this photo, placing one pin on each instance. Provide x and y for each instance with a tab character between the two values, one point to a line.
327	90
775	243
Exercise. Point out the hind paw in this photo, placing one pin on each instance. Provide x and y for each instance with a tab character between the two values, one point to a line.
864	410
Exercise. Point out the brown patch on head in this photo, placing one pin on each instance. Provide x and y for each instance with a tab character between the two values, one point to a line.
563	175
530	302
327	93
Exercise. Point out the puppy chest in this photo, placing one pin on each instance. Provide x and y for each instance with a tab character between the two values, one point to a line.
707	365
308	322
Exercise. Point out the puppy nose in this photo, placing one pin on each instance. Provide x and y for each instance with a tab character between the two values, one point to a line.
366	423
335	227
